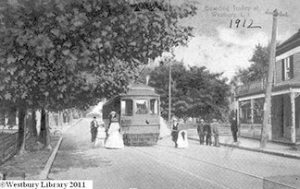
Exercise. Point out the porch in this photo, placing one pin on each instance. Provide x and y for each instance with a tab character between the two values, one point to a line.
285	114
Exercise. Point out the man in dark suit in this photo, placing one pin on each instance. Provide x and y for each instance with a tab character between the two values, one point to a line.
175	130
200	130
94	129
234	128
207	133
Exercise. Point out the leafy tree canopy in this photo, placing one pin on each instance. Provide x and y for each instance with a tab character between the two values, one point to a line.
61	54
258	69
195	91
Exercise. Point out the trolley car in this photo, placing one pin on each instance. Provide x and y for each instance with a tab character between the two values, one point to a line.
139	114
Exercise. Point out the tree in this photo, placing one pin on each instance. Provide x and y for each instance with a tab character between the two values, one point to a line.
195	91
63	54
258	69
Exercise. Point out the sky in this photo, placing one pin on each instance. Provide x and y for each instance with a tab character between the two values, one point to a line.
222	48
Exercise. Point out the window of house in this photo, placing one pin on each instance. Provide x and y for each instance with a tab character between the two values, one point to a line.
258	110
141	106
126	107
245	111
287	68
153	106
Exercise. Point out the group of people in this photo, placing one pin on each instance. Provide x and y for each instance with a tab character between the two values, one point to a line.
208	131
109	137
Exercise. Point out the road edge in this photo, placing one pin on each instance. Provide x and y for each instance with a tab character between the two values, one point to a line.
282	154
44	173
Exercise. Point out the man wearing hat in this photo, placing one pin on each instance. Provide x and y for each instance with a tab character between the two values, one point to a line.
94	129
234	128
175	129
215	132
207	133
200	130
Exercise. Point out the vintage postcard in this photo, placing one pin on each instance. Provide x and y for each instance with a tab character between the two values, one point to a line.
149	94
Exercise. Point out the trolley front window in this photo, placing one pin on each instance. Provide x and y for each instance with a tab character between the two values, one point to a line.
126	107
141	107
153	106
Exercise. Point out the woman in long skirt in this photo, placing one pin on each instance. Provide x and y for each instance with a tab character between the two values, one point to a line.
115	138
182	141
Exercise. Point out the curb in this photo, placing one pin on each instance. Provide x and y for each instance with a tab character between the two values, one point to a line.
282	154
71	125
44	174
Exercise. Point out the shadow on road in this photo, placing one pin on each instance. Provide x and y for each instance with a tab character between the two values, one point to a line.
70	159
77	151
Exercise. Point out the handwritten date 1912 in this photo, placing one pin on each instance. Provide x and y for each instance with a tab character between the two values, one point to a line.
242	23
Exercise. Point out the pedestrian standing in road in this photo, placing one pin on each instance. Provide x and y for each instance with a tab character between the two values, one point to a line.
101	135
115	138
200	130
94	129
215	132
175	129
207	133
182	140
234	128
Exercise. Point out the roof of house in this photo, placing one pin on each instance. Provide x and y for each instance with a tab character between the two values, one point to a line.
290	43
281	87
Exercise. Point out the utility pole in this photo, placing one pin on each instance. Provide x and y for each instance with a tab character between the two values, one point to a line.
266	127
170	92
170	80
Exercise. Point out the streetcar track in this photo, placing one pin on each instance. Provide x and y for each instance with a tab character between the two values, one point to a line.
216	165
224	167
212	182
174	151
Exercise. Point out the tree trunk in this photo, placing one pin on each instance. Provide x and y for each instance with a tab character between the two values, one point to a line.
69	113
64	117
32	138
22	130
44	137
33	126
60	118
48	139
12	117
2	117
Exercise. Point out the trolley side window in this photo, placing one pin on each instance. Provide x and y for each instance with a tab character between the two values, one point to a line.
153	106
126	107
141	106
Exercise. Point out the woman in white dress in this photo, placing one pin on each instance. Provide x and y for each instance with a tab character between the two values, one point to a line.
115	138
182	141
101	136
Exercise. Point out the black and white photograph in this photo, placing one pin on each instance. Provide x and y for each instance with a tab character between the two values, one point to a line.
149	94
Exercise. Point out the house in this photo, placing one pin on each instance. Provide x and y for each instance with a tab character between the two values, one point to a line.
285	111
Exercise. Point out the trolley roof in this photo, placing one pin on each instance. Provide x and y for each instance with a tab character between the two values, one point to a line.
135	90
140	90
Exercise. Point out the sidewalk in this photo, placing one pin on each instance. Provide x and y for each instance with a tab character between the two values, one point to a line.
44	173
31	164
253	145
